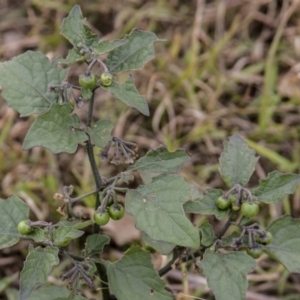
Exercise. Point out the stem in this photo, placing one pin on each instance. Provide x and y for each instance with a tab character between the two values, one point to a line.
72	200
169	265
98	180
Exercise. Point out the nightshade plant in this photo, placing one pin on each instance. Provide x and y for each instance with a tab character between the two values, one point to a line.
33	85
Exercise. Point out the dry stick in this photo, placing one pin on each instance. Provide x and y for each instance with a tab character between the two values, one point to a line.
98	180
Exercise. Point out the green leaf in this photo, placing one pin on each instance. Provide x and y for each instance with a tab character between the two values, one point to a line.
38	265
276	186
74	29
75	224
226	273
107	46
134	278
206	205
56	130
157	209
101	132
72	58
12	211
95	243
127	93
50	292
286	242
163	247
38	235
63	233
159	161
25	81
134	54
86	94
207	234
237	161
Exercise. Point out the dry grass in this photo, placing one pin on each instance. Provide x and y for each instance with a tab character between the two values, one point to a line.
226	66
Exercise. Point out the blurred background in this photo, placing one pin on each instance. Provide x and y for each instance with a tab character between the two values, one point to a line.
222	67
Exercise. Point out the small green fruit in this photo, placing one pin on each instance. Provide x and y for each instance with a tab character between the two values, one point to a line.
249	209
232	198
101	218
235	206
255	252
223	203
265	238
116	212
24	228
87	81
106	79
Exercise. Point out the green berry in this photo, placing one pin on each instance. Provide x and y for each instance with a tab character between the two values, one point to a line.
223	203
24	227
255	252
264	238
116	212
87	81
249	209
106	79
101	218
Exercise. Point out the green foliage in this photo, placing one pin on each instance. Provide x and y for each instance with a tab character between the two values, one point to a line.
33	85
237	161
37	266
142	279
158	210
226	273
25	81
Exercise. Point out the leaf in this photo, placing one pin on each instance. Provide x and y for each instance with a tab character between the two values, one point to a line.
206	205
75	224
63	233
72	58
127	93
134	278
226	273
237	161
107	46
286	242
50	292
25	81
74	29
207	234
12	212
86	94
163	247
134	54
101	132
95	243
276	186
159	161
157	209
38	265
56	130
